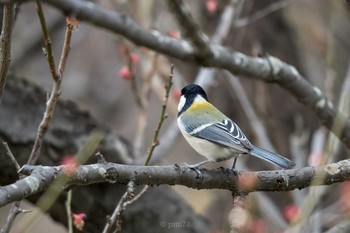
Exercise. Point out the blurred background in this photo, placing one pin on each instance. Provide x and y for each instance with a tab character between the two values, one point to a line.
106	75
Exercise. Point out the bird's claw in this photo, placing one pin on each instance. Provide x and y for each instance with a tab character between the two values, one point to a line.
195	168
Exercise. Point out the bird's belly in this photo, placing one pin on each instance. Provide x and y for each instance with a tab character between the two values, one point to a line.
212	151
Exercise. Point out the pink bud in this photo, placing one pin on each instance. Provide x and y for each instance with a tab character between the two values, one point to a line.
212	6
134	57
78	221
70	164
174	34
125	73
291	212
176	94
315	158
259	226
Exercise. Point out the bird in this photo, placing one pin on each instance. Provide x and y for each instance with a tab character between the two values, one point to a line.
214	135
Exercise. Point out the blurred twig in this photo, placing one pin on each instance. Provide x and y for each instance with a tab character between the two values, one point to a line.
148	73
5	43
163	116
266	68
69	211
270	211
203	78
34	38
254	120
275	6
128	197
190	28
55	93
330	148
55	186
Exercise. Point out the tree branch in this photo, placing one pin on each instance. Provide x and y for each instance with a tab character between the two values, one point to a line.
190	28
39	178
5	44
269	69
57	75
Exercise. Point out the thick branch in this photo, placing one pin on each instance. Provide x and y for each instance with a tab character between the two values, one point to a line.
41	177
268	68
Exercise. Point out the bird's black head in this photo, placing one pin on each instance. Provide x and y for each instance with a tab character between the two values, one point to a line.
188	95
192	90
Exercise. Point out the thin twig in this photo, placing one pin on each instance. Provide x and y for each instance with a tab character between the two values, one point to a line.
14	211
145	94
126	53
54	189
163	116
126	199
57	78
144	189
71	23
262	13
69	211
47	40
115	217
204	77
55	93
135	90
329	151
5	44
12	157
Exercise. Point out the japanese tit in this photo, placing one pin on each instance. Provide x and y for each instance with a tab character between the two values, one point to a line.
214	135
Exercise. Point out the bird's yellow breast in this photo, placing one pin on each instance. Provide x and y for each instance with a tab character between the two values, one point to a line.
201	106
205	109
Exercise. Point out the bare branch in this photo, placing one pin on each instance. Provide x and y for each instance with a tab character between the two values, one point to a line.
47	40
5	44
57	78
12	157
14	211
39	178
116	216
126	199
190	27
268	69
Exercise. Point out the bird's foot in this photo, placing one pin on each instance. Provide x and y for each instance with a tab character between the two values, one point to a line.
195	167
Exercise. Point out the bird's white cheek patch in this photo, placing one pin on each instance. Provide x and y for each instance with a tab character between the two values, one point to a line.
181	103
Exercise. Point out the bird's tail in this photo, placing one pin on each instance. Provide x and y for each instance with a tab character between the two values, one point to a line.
271	157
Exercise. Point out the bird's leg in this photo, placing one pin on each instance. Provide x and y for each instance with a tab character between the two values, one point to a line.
234	164
196	166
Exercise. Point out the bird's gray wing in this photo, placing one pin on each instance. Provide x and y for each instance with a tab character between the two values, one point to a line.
225	133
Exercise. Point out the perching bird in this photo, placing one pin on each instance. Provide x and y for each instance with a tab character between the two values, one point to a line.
214	135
